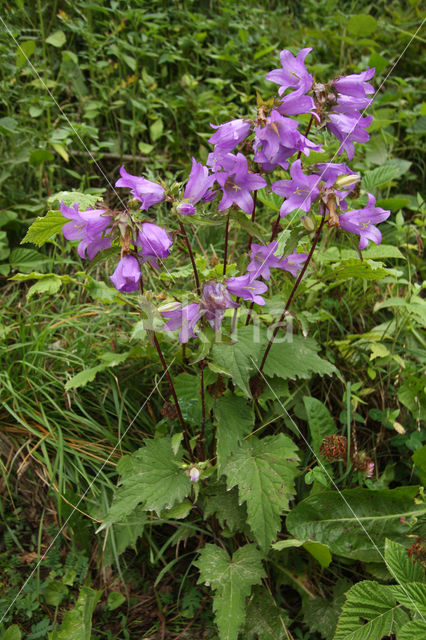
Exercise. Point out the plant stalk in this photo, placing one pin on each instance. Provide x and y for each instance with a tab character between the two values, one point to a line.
191	255
225	255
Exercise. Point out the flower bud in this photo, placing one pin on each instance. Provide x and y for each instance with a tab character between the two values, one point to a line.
186	209
194	474
345	181
168	306
308	223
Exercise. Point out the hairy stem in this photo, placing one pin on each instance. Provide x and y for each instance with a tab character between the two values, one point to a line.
191	255
293	291
225	254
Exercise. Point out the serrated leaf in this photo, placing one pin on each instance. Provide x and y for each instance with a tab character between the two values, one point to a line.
83	377
44	228
355	521
380	176
264	471
70	198
321	615
26	259
296	358
369	613
413	630
412	595
49	285
367	269
232	580
101	292
400	565
77	623
320	421
152	476
237	358
234	421
224	505
265	621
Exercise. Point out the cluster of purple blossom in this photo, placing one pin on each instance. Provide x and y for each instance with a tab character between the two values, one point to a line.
273	138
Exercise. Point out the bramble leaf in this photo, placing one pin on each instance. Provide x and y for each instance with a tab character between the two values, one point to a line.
400	565
42	229
232	580
297	358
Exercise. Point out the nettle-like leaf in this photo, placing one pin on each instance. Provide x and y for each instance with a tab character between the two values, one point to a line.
355	522
238	359
231	580
412	595
400	565
224	505
152	476
370	612
320	421
296	358
264	471
265	621
70	198
235	420
42	229
413	630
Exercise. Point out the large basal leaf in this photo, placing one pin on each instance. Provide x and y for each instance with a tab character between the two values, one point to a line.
77	623
320	421
297	357
369	613
152	476
355	522
264	471
234	421
400	565
42	229
413	630
265	620
231	580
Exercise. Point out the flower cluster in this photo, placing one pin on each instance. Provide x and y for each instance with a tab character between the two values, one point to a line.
246	152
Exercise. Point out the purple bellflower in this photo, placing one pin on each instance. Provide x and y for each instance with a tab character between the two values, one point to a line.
295	103
362	221
185	319
88	227
230	134
237	183
147	192
155	243
199	183
294	262
293	74
355	85
349	128
127	274
330	172
215	299
299	191
247	288
263	260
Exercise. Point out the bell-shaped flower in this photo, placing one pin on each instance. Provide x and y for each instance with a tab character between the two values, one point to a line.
295	103
293	263
293	74
155	243
215	299
237	183
89	227
349	128
247	288
197	187
147	192
355	85
299	192
183	318
230	134
362	221
127	274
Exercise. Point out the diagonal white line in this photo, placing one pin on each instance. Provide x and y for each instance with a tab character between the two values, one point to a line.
336	487
348	135
83	496
76	132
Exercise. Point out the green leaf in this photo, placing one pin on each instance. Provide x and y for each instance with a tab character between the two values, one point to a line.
55	593
49	285
413	630
57	39
44	228
419	459
235	420
247	225
152	476
38	156
349	522
77	623
115	600
380	176
321	615
320	421
224	505
317	550
101	292
237	358
83	377
296	358
355	268
362	25
369	613
412	595
27	259
12	633
265	621
264	471
400	565
8	125
70	198
24	51
231	580
156	130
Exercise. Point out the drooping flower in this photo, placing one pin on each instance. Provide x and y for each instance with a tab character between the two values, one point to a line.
299	191
237	183
355	85
263	260
215	299
89	227
230	134
199	183
294	262
295	103
293	73
278	140
147	192
155	243
349	128
362	221
127	274
247	288
339	177
183	318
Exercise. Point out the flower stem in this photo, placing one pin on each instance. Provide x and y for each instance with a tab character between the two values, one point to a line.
253	216
175	398
293	291
225	255
308	128
191	255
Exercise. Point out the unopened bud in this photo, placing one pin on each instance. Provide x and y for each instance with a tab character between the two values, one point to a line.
194	474
308	223
343	182
169	306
